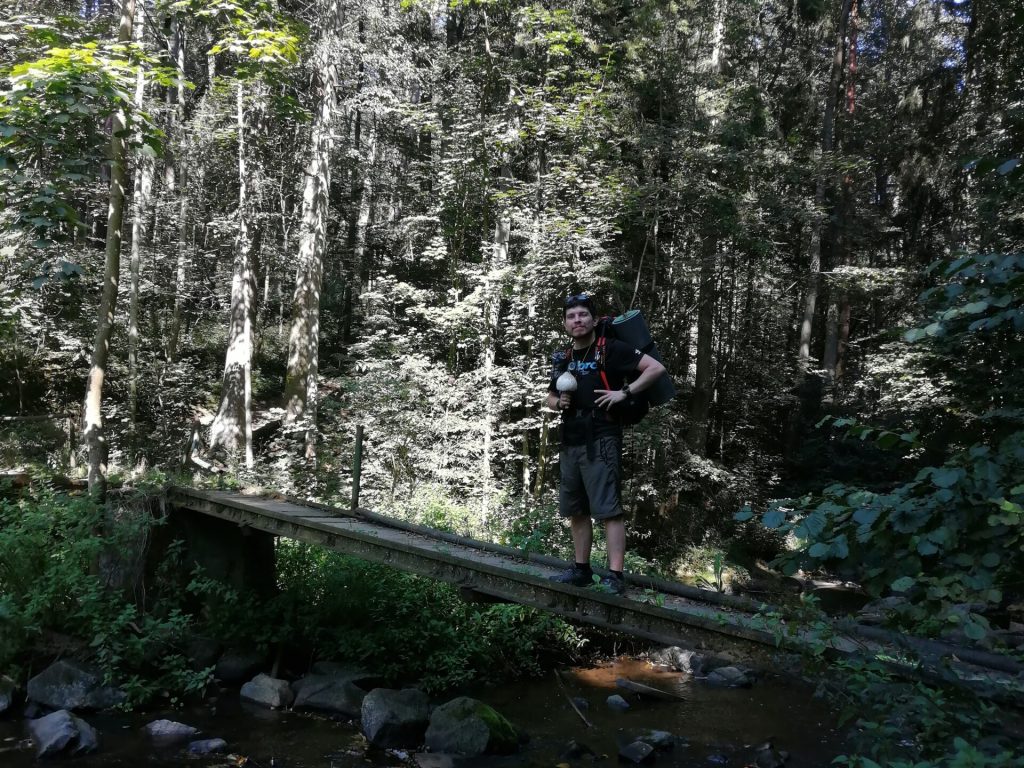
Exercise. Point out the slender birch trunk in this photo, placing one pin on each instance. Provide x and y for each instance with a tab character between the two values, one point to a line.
140	211
493	281
182	260
92	431
232	427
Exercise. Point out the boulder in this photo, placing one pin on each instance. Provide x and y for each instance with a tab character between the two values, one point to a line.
617	703
69	685
7	690
61	732
673	657
691	662
768	757
166	732
328	693
393	718
433	760
575	750
269	691
88	738
234	668
207	747
638	752
356	675
729	677
465	726
660	740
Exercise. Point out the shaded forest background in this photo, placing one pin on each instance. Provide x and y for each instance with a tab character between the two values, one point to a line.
339	213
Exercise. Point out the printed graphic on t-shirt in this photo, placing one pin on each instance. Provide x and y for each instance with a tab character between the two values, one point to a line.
583	367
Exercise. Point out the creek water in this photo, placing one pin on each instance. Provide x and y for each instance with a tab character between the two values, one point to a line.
714	726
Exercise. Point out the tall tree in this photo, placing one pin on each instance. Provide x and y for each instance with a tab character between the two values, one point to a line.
92	430
232	426
304	339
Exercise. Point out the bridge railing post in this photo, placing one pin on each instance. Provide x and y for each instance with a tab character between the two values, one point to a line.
357	466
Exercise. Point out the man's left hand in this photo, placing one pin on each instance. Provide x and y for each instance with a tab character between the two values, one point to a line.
609	397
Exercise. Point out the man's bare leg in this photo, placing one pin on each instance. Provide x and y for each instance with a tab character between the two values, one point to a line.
582	537
615	538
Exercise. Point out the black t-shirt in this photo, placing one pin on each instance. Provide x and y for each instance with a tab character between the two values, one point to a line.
620	360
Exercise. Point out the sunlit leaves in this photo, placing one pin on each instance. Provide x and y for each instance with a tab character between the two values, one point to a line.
251	30
52	128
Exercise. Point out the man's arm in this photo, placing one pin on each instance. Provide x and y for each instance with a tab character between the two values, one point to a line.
650	371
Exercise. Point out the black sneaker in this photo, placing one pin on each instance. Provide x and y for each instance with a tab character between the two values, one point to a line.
575	576
614	584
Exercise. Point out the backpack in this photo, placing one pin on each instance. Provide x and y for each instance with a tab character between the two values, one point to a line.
633	409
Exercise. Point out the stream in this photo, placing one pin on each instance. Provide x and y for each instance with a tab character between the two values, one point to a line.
718	726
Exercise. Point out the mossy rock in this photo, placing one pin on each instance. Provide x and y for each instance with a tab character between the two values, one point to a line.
468	727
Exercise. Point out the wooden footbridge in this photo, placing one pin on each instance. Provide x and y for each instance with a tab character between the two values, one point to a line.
657	610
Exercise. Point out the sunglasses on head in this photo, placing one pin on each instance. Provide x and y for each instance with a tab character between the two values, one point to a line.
579	298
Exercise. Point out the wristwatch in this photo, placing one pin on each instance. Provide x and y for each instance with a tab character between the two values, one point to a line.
625	389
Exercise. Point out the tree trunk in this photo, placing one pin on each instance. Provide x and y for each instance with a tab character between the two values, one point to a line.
92	432
493	281
362	212
182	260
140	211
827	138
700	401
303	344
232	427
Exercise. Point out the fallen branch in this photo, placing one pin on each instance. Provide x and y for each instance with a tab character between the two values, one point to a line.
657	693
568	698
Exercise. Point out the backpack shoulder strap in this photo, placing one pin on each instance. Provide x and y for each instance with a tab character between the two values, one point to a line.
599	357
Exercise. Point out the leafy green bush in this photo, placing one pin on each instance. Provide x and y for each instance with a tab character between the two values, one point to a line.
411	628
953	535
60	577
949	536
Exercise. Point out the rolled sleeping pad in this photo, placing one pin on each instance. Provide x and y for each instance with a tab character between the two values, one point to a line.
631	328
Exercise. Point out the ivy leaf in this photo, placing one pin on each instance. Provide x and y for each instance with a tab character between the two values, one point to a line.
903	583
866	515
819	550
773	518
990	560
743	515
974	629
946	477
840	549
887	440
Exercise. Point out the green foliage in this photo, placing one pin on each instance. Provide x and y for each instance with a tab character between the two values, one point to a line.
62	559
916	725
954	534
52	140
411	628
252	30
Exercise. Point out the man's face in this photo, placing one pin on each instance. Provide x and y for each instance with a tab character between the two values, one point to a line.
579	322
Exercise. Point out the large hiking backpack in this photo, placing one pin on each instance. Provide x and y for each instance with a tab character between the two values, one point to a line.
629	328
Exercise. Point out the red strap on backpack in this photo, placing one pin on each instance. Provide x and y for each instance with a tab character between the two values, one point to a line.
599	357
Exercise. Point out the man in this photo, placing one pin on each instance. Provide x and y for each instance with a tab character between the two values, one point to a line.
591	455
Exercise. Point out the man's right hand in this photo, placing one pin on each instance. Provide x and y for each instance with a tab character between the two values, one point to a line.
564	401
